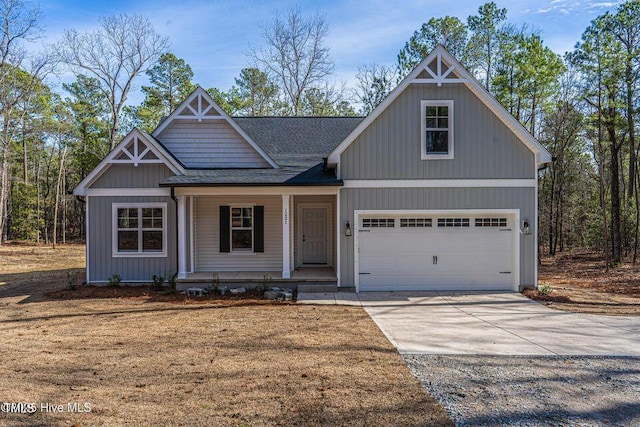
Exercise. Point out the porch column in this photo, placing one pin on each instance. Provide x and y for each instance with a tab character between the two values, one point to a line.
182	237
286	237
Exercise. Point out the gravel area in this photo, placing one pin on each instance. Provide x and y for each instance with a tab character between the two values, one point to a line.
533	390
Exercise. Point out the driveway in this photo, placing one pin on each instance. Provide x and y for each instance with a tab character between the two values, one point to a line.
495	324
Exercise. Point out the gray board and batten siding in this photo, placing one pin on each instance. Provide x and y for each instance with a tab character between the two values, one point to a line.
210	144
126	175
101	264
484	148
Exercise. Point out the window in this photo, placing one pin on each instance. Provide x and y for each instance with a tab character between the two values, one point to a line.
491	222
437	129
139	229
415	222
378	223
453	222
241	229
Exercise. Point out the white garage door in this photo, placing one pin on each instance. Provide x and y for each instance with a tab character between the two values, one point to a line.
410	252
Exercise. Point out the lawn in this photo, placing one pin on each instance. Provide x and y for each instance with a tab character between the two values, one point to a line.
139	361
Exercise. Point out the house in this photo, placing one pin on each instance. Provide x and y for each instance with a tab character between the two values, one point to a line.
435	189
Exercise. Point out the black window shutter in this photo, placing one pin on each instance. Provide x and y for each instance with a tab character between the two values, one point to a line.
258	228
225	229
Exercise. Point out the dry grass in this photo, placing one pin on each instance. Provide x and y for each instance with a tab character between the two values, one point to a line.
582	284
141	362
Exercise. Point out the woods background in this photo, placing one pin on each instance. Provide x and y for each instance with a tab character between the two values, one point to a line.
582	106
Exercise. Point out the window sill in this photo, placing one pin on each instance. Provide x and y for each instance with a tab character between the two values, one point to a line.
140	255
437	157
242	253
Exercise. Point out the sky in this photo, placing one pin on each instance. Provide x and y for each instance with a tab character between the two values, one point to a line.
214	37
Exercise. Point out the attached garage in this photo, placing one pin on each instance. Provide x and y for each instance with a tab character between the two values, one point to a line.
446	250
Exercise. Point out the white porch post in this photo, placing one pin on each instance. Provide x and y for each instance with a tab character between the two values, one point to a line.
182	237
286	237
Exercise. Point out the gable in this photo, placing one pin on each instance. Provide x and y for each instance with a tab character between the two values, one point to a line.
439	69
201	135
142	161
390	147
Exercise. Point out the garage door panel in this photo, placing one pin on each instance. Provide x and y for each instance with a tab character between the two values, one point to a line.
468	258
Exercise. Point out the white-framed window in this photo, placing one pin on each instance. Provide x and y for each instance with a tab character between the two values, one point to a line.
437	129
242	229
139	229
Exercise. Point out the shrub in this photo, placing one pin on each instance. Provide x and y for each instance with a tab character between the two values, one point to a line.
172	283
158	282
545	289
115	280
72	281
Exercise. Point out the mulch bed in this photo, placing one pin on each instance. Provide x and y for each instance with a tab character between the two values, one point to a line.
148	293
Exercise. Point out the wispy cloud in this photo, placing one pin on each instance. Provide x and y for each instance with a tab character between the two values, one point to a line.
544	10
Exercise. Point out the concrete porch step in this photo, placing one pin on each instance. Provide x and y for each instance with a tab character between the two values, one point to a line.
317	288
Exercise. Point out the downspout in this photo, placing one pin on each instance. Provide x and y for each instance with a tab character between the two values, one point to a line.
175	200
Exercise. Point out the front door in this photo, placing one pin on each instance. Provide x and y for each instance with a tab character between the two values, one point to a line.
314	235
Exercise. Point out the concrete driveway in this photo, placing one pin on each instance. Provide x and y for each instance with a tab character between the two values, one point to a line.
495	324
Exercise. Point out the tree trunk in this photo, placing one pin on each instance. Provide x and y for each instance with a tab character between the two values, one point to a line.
57	203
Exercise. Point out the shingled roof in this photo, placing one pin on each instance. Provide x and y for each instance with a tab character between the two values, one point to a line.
296	144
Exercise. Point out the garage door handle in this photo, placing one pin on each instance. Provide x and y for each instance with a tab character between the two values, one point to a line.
363	273
435	260
505	272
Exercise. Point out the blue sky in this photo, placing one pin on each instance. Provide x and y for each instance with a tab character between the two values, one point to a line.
214	36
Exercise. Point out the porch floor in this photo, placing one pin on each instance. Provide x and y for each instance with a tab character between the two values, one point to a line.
302	274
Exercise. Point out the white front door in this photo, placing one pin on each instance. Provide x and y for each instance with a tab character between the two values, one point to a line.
314	235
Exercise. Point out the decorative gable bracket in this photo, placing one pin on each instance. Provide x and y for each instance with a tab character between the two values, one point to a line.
199	108
135	152
438	72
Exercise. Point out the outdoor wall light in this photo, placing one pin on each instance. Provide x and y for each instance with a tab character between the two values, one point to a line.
347	228
526	229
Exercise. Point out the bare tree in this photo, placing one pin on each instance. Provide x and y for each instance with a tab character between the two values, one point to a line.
20	74
374	82
123	47
294	54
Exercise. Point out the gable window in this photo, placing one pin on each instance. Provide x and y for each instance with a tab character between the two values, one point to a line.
139	229
437	129
242	229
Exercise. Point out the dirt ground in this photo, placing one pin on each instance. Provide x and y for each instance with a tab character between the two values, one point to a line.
580	283
142	361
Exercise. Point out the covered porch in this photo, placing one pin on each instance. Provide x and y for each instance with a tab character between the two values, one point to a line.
243	234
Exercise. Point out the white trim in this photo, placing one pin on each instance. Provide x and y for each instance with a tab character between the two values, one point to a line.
242	206
182	237
86	238
140	253
286	236
438	183
515	213
200	115
327	207
191	234
423	138
129	192
257	190
82	189
470	82
338	232
535	234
